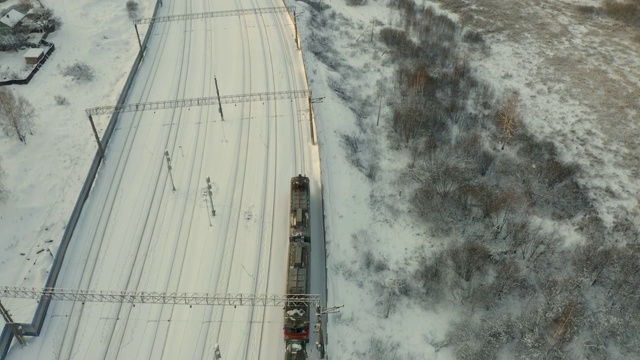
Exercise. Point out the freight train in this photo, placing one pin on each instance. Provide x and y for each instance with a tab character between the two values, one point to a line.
296	314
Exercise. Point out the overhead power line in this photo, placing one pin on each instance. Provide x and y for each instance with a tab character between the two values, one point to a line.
212	14
203	101
150	297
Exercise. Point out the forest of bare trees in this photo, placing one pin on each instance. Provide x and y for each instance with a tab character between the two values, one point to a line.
499	194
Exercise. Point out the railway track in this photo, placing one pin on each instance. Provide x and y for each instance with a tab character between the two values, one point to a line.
105	219
154	245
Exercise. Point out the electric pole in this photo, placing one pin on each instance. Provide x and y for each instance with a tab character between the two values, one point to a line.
15	328
319	312
95	133
219	102
166	154
138	35
373	24
213	211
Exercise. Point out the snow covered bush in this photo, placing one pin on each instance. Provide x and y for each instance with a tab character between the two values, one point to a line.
362	153
626	10
24	6
356	2
12	42
79	72
4	192
133	9
41	19
61	100
16	115
381	349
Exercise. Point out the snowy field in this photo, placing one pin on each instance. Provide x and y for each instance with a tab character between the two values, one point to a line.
578	82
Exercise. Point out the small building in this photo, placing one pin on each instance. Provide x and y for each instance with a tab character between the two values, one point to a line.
35	38
11	19
33	56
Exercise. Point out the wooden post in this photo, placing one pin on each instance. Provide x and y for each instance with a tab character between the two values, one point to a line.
219	103
313	134
295	29
379	108
95	133
15	328
138	34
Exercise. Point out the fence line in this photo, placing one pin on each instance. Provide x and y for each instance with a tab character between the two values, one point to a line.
35	69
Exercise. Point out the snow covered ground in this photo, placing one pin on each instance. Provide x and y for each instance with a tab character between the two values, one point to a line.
578	86
578	80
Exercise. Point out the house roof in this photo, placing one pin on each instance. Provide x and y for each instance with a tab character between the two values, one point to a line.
33	53
12	18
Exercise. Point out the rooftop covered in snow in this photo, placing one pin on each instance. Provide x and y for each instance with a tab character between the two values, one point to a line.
12	18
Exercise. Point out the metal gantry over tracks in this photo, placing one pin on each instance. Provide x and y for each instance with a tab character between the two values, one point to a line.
213	14
151	297
202	101
145	297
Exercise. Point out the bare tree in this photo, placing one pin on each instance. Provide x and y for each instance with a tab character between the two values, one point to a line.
4	193
16	115
133	9
508	118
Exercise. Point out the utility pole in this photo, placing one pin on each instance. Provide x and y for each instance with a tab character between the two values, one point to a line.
138	34
373	24
15	328
166	154
219	102
295	29
95	133
213	211
319	312
379	108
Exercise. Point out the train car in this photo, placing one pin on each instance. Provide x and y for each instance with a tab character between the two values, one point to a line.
296	314
299	229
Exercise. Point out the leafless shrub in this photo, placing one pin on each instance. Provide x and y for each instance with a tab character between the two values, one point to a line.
398	41
372	263
469	259
380	349
508	119
484	96
41	19
338	86
409	11
437	28
24	6
625	231
555	172
532	242
481	340
12	42
16	115
473	37
363	154
431	275
511	279
627	10
79	72
356	2
4	192
61	100
133	9
588	10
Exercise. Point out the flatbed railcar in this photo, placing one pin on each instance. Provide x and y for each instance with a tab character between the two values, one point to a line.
296	314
